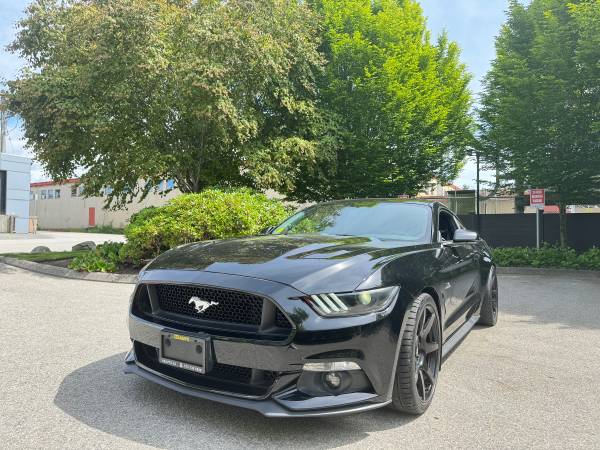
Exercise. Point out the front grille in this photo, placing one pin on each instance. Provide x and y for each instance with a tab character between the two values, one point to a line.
223	377
235	373
280	320
228	306
232	313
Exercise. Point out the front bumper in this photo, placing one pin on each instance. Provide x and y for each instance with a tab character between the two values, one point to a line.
371	341
273	407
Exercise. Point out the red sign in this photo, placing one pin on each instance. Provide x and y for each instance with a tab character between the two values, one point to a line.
537	198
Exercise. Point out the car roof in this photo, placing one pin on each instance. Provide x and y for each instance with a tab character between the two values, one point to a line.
428	203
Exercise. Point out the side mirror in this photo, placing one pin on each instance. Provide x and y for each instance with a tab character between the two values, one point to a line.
267	230
461	235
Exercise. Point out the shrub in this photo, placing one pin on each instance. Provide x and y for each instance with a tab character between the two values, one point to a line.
211	214
590	259
547	256
106	258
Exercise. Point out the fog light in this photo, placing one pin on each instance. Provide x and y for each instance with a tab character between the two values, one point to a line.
333	380
331	366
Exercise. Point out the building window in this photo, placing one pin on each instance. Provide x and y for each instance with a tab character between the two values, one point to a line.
56	193
44	194
74	190
2	191
50	194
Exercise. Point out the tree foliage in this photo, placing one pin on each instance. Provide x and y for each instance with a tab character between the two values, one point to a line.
203	92
541	108
315	99
401	102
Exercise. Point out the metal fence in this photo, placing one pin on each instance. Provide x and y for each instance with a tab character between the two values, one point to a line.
509	221
461	203
519	230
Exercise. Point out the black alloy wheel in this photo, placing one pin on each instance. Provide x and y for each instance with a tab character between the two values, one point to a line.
419	358
427	352
489	307
494	297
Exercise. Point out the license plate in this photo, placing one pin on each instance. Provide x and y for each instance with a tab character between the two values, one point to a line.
185	352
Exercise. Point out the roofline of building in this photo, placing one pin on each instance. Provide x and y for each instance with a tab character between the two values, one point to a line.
52	183
19	158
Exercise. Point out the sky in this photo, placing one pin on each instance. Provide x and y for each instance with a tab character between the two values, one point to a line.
473	24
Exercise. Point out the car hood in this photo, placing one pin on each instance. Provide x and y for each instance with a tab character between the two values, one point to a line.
310	263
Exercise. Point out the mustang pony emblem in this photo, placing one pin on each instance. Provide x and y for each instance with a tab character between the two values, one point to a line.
201	305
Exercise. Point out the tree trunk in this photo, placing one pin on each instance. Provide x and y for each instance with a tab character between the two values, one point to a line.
190	185
563	223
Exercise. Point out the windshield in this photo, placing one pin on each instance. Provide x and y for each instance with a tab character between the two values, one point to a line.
376	219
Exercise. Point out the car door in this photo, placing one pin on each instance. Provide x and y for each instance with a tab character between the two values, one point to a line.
460	269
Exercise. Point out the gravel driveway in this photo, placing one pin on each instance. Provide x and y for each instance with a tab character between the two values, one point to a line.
530	382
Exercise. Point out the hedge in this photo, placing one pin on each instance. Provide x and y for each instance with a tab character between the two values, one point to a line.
211	214
547	256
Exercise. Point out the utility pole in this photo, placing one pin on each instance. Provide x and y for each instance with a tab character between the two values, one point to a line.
477	194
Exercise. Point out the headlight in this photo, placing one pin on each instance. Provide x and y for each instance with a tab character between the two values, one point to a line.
352	303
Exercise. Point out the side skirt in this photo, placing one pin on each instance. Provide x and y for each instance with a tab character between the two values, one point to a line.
451	344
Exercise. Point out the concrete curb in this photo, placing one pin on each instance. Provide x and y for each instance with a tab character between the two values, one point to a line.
62	272
546	271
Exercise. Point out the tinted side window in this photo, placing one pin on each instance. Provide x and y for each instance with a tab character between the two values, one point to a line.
446	226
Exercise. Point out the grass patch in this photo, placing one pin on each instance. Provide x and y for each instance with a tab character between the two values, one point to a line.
105	229
45	257
101	229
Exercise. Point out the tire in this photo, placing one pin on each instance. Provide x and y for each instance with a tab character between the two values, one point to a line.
489	307
419	359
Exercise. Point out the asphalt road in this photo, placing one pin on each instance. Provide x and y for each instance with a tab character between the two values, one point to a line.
530	382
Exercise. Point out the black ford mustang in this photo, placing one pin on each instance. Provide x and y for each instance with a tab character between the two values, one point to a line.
347	306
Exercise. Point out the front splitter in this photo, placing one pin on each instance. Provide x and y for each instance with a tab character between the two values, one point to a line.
268	408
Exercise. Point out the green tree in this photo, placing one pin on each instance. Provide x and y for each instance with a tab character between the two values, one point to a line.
541	107
204	92
400	103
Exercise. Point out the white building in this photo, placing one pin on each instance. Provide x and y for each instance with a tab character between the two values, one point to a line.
15	175
61	205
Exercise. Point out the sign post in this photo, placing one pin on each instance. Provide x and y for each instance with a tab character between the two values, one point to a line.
538	226
537	199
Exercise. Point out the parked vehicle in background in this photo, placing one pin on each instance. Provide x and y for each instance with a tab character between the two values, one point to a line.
346	306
